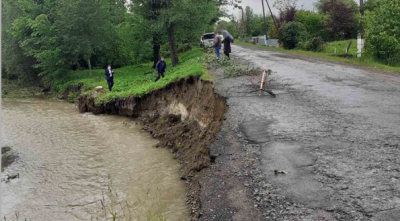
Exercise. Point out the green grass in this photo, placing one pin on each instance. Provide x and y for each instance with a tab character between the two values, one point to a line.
131	80
341	47
365	61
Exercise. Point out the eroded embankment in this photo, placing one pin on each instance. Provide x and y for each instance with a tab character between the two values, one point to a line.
185	117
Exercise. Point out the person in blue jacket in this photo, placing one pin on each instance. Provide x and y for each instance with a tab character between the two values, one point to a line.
161	67
109	77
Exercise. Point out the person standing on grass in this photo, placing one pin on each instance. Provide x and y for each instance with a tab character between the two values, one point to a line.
161	67
217	43
109	77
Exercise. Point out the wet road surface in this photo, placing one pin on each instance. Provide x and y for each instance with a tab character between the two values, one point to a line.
334	128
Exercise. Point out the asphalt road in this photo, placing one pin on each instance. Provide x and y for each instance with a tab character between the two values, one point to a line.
334	128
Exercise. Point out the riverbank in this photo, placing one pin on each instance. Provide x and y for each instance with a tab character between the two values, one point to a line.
185	116
181	111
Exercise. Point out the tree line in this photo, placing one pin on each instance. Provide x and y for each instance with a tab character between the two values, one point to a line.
49	38
331	20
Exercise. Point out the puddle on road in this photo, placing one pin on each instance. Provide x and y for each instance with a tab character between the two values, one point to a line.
69	161
299	184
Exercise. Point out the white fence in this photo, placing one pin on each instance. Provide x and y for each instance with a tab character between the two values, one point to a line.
261	40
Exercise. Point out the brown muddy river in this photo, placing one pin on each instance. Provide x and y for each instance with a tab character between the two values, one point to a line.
83	167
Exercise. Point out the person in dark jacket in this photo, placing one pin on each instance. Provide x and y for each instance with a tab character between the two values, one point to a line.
227	47
161	67
109	77
228	39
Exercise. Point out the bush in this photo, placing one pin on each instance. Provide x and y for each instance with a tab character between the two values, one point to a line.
290	34
314	23
382	31
316	44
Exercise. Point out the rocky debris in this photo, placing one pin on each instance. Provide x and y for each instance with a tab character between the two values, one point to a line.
8	156
100	89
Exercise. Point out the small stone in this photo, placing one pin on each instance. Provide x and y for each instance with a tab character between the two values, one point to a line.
94	94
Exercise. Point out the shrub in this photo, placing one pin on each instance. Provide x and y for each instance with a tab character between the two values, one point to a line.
382	31
290	34
314	23
314	44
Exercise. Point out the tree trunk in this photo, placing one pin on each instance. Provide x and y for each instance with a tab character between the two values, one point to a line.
90	66
156	50
172	46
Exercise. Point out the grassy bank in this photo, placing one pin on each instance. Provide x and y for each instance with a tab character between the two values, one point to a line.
329	55
134	80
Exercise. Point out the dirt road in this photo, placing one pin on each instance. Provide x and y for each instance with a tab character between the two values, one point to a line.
334	128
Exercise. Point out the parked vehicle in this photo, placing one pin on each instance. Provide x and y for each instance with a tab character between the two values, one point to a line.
207	40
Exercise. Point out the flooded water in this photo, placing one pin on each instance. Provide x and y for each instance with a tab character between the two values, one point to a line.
83	167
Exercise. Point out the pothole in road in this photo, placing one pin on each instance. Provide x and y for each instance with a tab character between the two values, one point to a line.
299	184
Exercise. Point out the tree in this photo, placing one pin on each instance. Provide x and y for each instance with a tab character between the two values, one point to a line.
249	21
382	31
291	34
370	5
287	10
83	28
150	10
314	23
15	64
319	5
342	23
64	35
168	17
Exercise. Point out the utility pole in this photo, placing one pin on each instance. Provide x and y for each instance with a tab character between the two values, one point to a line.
234	26
272	15
265	22
243	24
362	18
360	37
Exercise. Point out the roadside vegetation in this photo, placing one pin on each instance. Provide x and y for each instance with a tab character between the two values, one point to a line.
232	67
326	31
49	40
329	54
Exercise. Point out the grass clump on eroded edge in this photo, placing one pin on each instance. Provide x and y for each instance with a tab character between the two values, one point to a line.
135	80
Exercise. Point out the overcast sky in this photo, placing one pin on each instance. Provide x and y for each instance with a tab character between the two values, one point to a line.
257	6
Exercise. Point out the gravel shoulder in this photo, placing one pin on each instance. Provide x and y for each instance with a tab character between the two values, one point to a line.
334	128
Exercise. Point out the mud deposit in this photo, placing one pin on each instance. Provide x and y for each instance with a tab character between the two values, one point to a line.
185	116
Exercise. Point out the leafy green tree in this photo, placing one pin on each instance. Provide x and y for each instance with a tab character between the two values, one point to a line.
382	30
82	28
370	5
249	20
15	64
314	23
291	34
319	5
